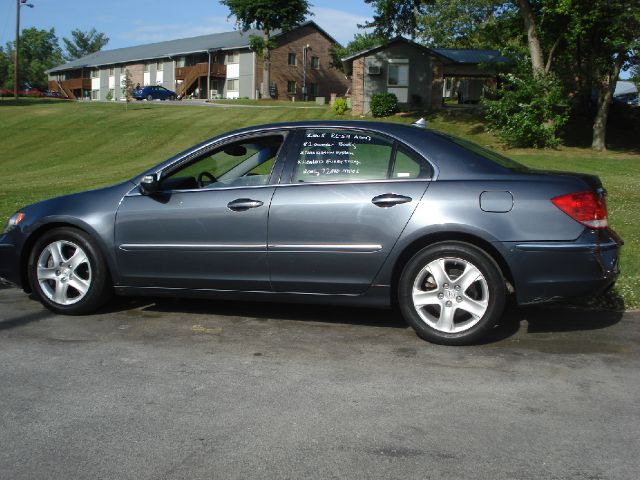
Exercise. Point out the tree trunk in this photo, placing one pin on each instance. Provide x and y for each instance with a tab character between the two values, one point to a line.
266	68
606	87
535	50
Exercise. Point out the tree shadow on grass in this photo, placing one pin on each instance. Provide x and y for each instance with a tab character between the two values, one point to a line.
30	101
623	129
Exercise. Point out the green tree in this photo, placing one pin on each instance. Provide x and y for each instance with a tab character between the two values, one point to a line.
84	43
397	17
126	87
5	61
360	42
604	36
585	43
268	16
39	51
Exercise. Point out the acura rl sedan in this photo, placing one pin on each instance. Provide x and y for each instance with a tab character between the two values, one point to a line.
345	212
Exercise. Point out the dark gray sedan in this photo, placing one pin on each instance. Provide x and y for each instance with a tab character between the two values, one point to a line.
353	213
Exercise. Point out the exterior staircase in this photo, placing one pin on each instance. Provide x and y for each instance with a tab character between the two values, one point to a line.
192	74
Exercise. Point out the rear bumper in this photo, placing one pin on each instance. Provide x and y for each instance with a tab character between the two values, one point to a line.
547	271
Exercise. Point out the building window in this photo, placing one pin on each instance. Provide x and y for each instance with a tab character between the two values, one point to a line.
233	84
398	75
292	59
95	94
315	62
95	73
146	68
233	57
312	89
160	66
291	86
112	71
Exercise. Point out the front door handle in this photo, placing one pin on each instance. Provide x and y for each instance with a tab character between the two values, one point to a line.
242	204
389	200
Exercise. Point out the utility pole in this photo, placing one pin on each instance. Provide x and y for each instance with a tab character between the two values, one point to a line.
17	46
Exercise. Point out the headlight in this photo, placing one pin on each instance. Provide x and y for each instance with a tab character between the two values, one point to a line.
14	221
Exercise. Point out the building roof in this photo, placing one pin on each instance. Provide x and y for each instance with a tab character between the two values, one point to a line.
471	55
171	48
382	46
455	55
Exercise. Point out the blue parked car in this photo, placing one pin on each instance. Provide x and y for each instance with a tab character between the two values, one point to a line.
154	93
343	212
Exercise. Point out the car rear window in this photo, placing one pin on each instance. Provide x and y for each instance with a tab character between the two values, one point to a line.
490	155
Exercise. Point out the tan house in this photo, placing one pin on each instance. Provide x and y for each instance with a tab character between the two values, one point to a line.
417	75
220	65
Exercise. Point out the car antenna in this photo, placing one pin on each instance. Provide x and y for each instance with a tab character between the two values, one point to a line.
421	123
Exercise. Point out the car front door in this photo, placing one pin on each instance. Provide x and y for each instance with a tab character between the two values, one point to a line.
206	226
350	195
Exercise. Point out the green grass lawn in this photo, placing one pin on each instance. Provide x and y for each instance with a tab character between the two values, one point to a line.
50	148
268	103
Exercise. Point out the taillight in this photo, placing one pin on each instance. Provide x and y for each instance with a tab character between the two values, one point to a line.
584	207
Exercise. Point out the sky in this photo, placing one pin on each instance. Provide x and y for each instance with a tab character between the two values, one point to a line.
128	23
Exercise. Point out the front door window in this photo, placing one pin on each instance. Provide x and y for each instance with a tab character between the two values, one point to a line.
242	163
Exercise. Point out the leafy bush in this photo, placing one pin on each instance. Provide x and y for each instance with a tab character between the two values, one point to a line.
383	104
109	96
340	106
528	111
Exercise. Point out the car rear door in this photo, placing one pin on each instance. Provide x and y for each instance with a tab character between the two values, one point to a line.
344	201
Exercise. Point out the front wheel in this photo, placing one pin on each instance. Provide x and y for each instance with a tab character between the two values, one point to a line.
67	272
451	293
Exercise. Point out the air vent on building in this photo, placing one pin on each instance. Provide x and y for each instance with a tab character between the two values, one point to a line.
373	70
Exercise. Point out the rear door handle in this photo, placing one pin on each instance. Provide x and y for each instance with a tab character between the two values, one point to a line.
242	204
389	200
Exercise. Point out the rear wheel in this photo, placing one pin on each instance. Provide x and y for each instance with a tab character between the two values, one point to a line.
149	97
68	273
451	293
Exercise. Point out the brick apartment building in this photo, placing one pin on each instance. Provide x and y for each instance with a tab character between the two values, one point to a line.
219	65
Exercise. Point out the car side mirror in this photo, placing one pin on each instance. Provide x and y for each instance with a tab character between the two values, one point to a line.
149	184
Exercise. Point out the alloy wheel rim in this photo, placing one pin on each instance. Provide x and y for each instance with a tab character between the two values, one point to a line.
64	272
450	294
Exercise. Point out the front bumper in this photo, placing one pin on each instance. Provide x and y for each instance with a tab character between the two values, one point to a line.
10	261
547	271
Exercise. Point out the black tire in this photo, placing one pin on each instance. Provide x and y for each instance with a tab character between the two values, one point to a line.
453	314
90	275
172	98
149	98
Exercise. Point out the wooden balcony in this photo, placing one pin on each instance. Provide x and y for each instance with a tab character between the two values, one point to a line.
77	83
200	70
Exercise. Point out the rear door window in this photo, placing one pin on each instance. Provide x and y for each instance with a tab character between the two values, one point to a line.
338	155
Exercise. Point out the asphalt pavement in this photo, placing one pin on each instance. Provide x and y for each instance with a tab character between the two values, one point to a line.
184	389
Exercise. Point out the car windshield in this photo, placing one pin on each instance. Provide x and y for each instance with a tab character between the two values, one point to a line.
495	157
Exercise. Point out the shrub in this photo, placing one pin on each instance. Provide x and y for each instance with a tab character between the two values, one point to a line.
383	104
340	106
528	111
109	96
